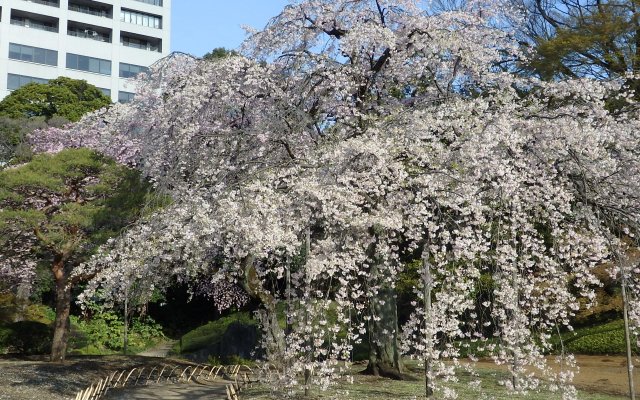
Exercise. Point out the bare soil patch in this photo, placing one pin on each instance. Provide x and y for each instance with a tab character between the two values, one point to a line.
605	374
598	374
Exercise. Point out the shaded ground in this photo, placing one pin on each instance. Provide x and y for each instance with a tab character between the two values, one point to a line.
162	349
28	378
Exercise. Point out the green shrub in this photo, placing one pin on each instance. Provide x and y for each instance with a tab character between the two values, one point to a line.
4	338
29	337
104	333
143	332
104	330
40	313
210	333
601	339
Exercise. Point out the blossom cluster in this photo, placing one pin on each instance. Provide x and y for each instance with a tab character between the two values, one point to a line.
353	137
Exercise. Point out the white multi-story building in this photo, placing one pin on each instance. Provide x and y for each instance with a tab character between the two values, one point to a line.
104	42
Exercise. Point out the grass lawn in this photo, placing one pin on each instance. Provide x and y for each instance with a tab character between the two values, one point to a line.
368	387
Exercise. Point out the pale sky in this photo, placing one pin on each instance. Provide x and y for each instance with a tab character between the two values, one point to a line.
199	26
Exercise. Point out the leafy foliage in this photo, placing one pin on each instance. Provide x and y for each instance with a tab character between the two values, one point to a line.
14	147
570	39
104	333
600	339
62	97
27	337
219	53
57	209
211	333
74	200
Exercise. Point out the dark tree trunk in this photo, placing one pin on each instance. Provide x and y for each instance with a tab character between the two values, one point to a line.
384	355
253	286
63	307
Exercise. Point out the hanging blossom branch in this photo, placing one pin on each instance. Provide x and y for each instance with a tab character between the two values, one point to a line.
311	180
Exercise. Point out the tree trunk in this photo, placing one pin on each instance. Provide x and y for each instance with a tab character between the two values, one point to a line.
269	318
21	301
627	334
384	354
63	307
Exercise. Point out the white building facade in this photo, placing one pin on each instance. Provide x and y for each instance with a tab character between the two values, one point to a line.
104	42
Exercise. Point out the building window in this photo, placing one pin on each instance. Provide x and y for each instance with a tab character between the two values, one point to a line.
142	19
154	2
106	92
130	70
89	64
143	44
125	97
33	54
17	81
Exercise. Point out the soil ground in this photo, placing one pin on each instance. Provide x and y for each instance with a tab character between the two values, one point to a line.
605	374
597	374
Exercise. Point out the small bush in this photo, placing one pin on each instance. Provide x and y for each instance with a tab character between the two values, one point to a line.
40	313
29	337
4	338
104	334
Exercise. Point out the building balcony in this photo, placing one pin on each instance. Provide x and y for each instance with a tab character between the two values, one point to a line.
87	31
144	6
141	42
92	8
52	3
34	20
33	25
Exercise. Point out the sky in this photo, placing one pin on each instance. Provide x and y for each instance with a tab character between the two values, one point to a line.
198	26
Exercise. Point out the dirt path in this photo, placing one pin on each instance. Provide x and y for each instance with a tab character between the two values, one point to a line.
598	374
605	374
161	350
171	392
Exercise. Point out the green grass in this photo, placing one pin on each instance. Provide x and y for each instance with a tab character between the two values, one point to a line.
367	387
603	339
210	333
606	338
